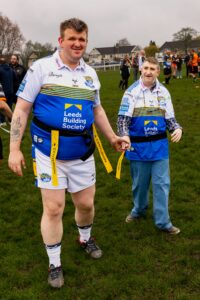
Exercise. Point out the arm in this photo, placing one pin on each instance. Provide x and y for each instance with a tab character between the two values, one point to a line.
18	125
125	115
123	123
5	110
103	125
172	125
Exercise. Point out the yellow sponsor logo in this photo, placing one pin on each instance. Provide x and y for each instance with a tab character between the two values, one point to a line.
79	106
149	121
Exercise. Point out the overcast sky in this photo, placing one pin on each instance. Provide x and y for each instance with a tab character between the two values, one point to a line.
108	20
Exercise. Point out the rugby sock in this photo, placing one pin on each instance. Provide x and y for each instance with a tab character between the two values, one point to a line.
53	252
84	232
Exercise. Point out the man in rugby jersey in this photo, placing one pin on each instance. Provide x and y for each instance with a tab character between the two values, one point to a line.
146	112
64	94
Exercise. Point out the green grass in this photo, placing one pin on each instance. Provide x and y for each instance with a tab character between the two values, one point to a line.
139	261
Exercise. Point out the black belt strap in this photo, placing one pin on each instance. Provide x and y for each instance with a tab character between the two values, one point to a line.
62	132
142	139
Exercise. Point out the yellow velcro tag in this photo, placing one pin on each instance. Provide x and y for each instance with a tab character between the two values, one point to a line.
102	153
34	168
119	166
54	151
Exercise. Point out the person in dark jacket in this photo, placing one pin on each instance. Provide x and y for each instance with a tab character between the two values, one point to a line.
7	79
125	73
6	111
186	61
20	72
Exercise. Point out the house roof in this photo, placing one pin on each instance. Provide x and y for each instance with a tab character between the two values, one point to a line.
180	45
115	50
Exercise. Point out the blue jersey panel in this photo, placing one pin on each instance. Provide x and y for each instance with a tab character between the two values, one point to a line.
69	147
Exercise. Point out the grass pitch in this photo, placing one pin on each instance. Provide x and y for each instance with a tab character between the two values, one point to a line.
139	261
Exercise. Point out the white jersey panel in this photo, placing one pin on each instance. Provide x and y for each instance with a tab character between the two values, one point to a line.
51	70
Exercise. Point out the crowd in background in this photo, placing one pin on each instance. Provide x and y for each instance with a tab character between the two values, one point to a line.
173	62
172	65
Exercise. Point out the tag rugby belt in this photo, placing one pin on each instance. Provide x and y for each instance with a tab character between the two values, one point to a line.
91	135
139	139
86	134
142	139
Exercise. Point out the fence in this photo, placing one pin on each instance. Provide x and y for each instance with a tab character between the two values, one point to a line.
106	67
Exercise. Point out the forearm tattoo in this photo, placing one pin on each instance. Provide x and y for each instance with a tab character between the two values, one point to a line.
15	129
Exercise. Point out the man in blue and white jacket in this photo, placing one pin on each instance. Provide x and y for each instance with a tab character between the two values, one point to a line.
146	112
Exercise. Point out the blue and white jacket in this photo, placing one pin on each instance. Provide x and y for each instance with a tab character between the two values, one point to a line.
144	115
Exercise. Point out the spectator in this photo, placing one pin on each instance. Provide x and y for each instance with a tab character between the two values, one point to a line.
125	72
135	66
6	111
141	59
174	65
193	65
20	72
187	64
167	67
179	62
7	79
199	62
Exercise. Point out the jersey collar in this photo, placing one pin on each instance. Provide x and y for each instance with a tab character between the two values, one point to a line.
154	88
61	65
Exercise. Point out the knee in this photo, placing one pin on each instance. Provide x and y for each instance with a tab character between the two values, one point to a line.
54	210
85	207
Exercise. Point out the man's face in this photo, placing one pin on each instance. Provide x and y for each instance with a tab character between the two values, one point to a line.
13	60
149	73
73	45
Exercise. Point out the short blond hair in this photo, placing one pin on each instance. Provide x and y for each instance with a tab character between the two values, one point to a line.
152	60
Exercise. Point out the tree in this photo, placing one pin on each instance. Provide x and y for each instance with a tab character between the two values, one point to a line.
40	50
11	37
123	42
152	43
186	35
152	49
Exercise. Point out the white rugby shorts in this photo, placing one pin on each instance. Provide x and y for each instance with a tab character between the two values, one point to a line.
73	175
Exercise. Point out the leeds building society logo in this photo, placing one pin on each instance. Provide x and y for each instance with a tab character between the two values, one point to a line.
89	81
45	177
150	127
68	105
73	118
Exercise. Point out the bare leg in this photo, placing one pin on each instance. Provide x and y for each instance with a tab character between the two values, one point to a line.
51	222
84	206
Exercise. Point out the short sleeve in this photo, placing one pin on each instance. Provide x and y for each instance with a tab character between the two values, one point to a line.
31	84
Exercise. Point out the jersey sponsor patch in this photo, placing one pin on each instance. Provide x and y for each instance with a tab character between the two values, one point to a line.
45	177
150	127
89	81
22	85
73	118
123	108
